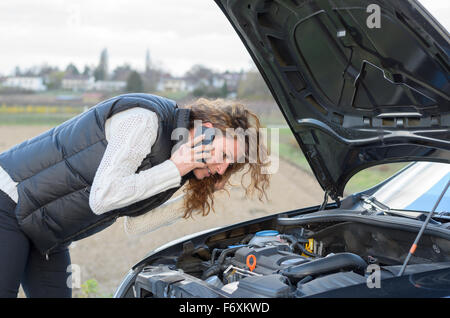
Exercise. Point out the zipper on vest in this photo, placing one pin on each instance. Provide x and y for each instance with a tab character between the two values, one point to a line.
47	253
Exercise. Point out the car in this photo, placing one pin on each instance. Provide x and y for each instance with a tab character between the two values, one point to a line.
360	84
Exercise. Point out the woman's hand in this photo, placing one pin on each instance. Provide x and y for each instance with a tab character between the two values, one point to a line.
187	157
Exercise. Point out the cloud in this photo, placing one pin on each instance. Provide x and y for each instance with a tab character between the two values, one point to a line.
440	10
178	33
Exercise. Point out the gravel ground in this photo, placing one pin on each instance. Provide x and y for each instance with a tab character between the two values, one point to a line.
108	255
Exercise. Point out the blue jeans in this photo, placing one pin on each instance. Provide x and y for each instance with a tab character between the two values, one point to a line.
22	263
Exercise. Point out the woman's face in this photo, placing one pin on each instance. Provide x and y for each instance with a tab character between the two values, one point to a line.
225	152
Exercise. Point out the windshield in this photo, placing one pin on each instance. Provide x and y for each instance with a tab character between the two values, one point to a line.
417	188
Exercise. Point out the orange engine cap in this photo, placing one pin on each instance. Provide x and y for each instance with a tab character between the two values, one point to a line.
251	262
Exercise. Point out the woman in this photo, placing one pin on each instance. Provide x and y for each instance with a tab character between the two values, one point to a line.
123	157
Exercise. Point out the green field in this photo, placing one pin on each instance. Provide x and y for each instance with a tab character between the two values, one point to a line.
34	119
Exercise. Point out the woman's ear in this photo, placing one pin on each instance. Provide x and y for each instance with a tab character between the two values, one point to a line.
207	124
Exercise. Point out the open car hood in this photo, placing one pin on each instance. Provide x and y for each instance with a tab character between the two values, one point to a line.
354	96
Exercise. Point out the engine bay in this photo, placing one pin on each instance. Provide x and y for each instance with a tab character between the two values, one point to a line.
287	261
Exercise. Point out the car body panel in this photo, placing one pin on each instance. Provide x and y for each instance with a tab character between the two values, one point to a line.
354	96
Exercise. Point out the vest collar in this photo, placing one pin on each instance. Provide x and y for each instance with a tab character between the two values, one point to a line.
181	118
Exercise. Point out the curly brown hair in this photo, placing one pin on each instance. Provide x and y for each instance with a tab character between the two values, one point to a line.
225	114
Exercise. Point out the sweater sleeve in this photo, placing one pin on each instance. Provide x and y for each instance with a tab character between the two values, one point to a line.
131	136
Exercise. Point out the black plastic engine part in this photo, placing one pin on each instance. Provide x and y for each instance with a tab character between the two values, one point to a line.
415	268
163	282
272	286
329	264
329	282
218	266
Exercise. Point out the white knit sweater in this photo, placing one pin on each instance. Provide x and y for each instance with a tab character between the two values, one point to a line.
130	135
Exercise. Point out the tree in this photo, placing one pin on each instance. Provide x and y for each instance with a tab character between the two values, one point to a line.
134	82
210	91
199	74
152	77
54	80
121	73
45	70
17	71
224	90
99	74
101	71
87	70
148	64
71	69
253	86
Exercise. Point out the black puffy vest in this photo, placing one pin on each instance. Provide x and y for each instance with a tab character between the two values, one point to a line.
55	171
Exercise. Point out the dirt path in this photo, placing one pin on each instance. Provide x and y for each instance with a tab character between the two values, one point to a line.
108	255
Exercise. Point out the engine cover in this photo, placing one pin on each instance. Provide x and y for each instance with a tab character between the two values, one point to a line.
269	259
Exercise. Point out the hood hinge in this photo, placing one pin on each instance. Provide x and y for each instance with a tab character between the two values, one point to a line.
325	200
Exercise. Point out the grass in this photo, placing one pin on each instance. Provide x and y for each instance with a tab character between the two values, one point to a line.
274	118
294	156
34	119
36	114
90	289
179	95
372	176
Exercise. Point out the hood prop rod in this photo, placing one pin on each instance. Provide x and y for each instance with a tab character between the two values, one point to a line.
325	200
422	229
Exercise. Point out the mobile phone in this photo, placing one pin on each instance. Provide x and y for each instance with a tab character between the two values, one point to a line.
209	133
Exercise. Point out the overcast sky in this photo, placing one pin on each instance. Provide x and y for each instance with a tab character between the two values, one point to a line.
178	33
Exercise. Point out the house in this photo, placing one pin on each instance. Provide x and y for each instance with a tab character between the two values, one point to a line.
232	79
168	83
77	83
217	81
29	83
108	86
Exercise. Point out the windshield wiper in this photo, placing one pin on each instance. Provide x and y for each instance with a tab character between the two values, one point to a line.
381	207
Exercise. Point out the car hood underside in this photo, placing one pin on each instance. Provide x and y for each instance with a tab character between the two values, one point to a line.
356	90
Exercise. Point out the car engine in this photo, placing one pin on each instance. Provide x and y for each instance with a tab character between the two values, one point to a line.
264	264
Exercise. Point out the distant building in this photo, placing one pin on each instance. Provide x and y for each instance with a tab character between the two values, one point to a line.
83	83
168	83
217	81
77	83
232	79
192	84
109	86
29	83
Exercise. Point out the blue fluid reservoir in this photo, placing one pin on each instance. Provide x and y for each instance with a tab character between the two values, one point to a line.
265	236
